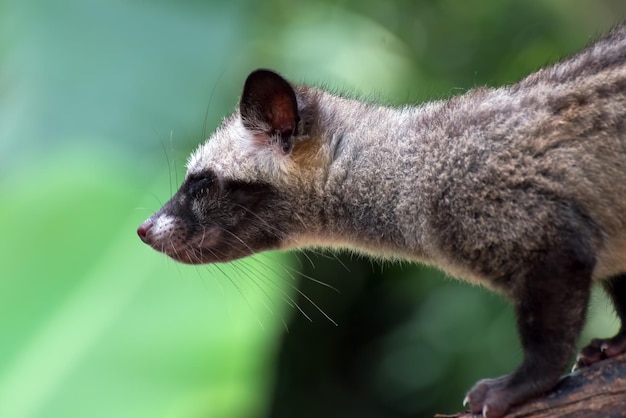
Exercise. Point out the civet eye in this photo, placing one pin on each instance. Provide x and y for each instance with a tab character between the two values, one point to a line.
199	184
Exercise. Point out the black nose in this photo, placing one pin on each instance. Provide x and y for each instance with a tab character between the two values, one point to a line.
144	230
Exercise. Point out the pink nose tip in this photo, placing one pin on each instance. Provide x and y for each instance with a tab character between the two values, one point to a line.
144	229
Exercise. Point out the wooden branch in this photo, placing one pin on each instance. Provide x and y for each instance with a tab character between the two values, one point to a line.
595	391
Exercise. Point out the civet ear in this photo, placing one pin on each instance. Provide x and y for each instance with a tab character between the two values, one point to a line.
269	107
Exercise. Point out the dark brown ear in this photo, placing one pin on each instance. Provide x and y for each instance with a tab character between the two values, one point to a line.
268	106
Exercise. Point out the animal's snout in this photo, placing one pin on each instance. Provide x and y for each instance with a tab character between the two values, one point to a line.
144	230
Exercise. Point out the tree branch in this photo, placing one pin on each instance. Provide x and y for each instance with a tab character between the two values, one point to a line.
595	391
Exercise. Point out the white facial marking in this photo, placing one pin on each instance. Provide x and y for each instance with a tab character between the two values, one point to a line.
165	228
237	153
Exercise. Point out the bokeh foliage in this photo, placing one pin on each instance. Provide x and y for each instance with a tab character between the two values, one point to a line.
101	101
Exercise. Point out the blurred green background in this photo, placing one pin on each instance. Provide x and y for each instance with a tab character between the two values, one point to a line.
101	102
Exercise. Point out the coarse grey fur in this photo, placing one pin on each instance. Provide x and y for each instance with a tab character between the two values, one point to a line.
520	188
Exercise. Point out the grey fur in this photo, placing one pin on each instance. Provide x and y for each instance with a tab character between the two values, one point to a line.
520	188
